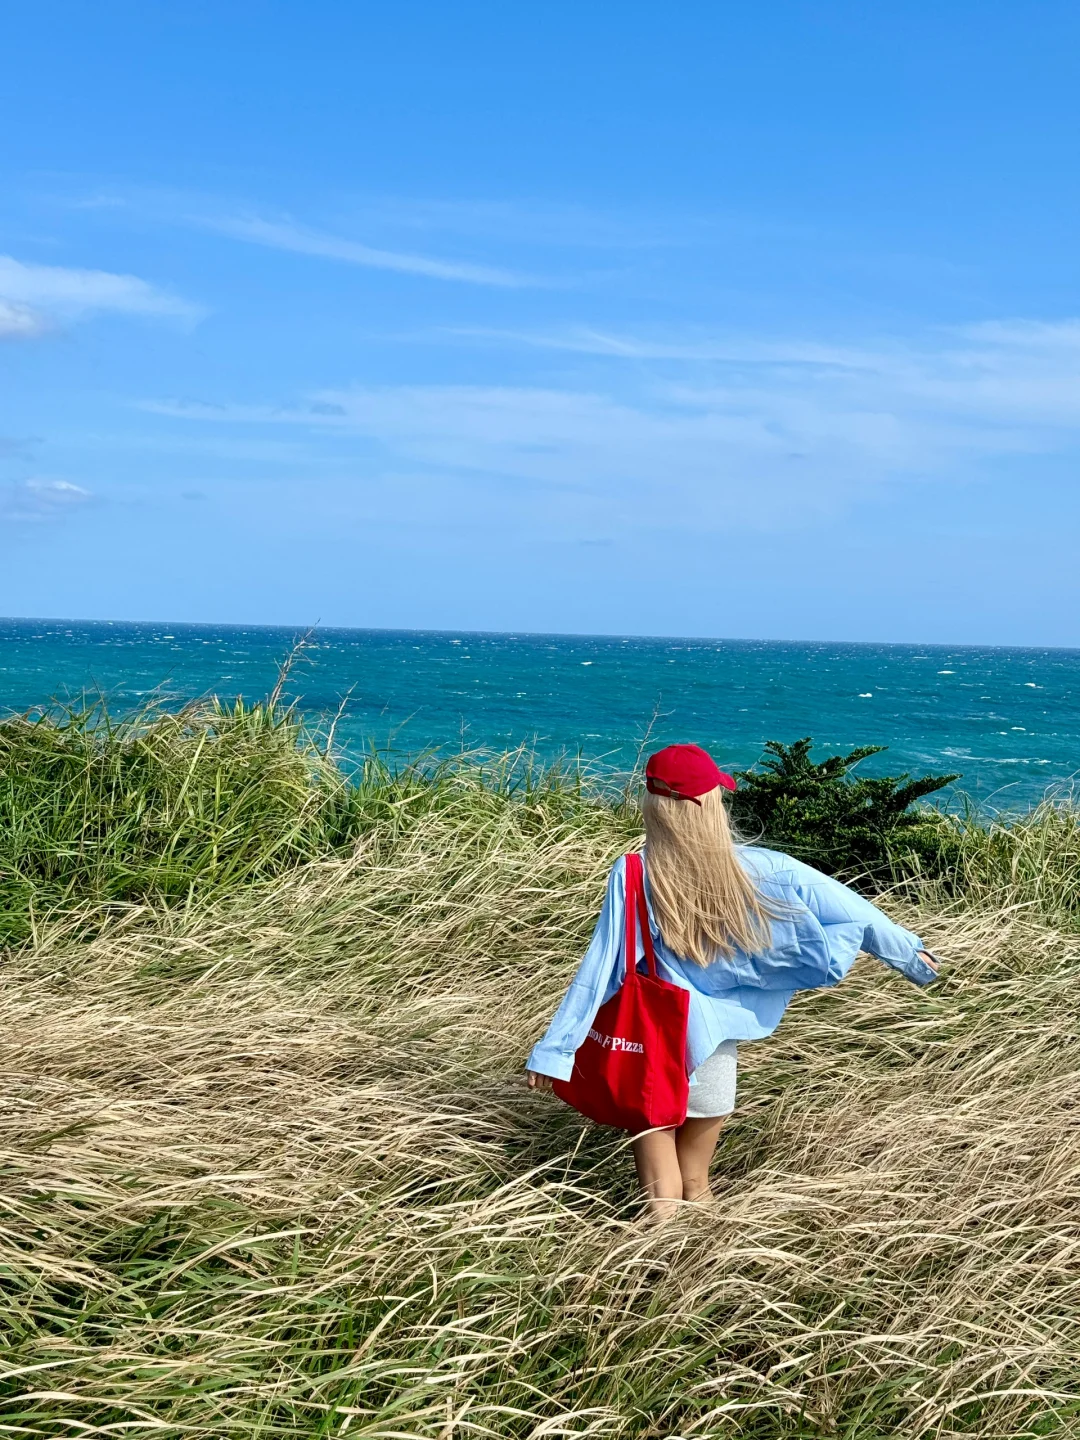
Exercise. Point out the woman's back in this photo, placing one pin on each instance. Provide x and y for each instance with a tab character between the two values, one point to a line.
740	927
819	927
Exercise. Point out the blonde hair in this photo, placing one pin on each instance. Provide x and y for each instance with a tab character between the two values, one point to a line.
705	903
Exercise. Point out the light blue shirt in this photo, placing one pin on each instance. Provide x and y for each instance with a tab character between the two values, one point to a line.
823	927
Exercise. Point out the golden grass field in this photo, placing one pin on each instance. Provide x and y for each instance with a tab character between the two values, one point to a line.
270	1168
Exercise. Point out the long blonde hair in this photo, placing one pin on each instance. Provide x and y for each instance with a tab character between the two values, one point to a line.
705	903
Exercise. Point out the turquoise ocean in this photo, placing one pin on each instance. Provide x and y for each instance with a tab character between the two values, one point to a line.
1009	719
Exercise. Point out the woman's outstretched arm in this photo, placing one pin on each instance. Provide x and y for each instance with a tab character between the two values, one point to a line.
843	913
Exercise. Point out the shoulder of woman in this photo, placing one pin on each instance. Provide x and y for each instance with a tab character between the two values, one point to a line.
777	862
617	875
764	864
780	874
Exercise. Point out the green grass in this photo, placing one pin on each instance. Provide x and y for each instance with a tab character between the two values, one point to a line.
269	1168
98	814
157	807
1030	860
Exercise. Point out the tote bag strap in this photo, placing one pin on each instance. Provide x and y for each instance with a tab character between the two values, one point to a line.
637	912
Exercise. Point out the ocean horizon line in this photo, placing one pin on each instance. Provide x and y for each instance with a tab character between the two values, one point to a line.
1005	717
301	629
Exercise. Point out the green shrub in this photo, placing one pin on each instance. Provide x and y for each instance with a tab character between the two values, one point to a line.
851	825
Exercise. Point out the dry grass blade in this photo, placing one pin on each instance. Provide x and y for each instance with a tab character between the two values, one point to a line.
270	1169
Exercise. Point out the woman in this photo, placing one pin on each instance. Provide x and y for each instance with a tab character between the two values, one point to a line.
742	929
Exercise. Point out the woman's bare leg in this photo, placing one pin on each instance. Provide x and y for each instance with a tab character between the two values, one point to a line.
659	1172
695	1144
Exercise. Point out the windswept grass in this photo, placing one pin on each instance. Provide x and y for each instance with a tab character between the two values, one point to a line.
161	807
1030	860
269	1168
157	806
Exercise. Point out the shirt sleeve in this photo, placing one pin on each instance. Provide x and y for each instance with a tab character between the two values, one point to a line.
598	977
851	923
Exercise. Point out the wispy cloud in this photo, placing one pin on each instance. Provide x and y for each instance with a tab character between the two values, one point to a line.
287	235
656	460
33	298
1002	371
754	432
20	322
40	500
616	345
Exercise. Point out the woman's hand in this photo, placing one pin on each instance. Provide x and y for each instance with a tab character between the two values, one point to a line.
931	960
538	1081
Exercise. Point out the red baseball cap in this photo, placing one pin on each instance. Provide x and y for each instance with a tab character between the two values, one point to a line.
683	772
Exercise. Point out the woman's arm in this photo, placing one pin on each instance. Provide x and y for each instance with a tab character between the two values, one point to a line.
841	911
597	978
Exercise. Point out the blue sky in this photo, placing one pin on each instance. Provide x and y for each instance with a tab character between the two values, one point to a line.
699	319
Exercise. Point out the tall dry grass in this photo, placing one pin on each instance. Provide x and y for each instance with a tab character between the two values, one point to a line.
270	1169
1031	859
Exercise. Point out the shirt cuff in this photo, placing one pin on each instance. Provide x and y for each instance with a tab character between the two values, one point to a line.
928	970
919	971
546	1060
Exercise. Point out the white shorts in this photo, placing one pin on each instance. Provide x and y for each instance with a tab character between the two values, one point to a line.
714	1093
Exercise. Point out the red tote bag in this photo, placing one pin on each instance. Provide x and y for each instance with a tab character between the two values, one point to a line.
630	1070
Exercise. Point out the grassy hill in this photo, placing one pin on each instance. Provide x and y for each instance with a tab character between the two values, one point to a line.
270	1169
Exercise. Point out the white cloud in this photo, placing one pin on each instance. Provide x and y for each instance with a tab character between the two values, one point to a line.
585	340
651	462
1019	369
20	322
285	235
32	297
725	430
41	499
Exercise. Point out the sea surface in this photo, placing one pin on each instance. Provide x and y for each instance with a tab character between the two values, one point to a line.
1008	719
